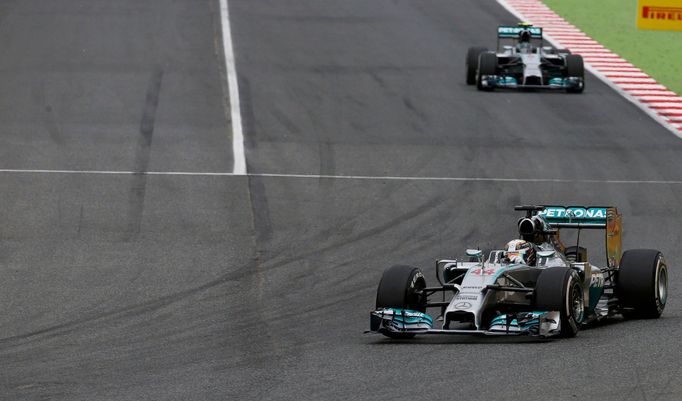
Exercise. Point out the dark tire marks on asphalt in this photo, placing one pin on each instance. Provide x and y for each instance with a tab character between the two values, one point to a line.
260	212
429	205
138	187
115	314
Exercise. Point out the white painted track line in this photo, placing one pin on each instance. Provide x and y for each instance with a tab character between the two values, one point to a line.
626	79
233	89
337	177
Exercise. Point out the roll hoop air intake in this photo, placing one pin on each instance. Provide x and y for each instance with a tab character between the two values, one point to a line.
532	226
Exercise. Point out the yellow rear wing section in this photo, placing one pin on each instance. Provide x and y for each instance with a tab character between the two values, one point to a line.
614	232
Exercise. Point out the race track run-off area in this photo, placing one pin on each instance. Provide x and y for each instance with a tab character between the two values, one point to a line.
189	212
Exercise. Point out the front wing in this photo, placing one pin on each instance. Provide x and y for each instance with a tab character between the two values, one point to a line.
507	82
403	321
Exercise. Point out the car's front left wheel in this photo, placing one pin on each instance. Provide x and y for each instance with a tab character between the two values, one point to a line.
560	289
575	68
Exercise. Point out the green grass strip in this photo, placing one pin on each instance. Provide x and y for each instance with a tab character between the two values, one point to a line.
613	24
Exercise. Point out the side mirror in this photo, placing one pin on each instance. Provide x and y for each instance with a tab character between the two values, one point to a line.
544	257
546	254
475	253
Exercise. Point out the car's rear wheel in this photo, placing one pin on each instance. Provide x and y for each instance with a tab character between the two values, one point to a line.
487	65
575	68
642	283
560	289
401	288
472	63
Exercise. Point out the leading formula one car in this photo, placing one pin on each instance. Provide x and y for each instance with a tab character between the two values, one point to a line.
552	295
522	61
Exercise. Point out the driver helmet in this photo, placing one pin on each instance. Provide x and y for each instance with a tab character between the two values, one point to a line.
521	252
524	45
524	36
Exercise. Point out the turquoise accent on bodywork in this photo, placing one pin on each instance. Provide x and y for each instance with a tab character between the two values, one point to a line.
421	318
512	32
557	82
502	321
560	214
595	295
507	81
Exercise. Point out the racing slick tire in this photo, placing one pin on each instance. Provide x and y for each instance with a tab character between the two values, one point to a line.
560	289
642	283
401	287
472	63
576	254
575	68
487	65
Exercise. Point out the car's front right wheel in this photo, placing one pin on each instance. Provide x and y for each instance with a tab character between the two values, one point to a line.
401	288
487	65
472	63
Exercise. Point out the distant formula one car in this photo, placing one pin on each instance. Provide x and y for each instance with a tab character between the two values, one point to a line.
524	63
540	289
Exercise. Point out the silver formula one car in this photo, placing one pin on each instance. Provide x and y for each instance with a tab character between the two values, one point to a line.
522	61
553	293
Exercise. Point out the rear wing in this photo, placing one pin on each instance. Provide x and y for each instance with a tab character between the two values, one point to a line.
576	216
591	217
514	31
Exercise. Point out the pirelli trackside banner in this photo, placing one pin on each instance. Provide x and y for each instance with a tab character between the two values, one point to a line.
659	14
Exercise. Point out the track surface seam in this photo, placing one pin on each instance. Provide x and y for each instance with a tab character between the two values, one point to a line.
664	105
337	177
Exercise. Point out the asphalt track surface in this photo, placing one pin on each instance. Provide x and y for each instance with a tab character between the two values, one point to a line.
131	287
